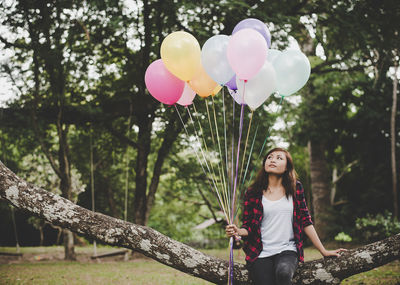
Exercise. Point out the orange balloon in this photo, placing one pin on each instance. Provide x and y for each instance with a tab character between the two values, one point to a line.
216	90
203	84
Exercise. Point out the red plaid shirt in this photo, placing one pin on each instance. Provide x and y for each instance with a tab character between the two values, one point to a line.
252	217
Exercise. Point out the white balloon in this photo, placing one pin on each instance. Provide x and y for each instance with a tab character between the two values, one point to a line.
187	96
235	95
257	89
214	59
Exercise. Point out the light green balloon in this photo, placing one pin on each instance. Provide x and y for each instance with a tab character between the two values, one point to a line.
292	69
273	54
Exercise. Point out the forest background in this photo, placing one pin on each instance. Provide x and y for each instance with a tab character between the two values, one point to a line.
83	125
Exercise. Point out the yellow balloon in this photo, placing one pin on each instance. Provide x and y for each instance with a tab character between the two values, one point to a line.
202	83
180	52
216	90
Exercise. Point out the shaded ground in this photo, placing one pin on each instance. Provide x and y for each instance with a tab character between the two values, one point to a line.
54	254
45	265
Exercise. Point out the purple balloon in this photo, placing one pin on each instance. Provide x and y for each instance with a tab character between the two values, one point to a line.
232	83
254	24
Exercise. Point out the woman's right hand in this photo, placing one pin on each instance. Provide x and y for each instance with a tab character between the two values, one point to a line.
232	230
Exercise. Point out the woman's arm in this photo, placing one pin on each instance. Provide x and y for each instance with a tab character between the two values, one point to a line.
313	236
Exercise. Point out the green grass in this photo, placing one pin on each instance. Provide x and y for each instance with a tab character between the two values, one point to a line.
44	265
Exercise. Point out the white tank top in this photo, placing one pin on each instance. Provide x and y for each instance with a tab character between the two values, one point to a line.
277	226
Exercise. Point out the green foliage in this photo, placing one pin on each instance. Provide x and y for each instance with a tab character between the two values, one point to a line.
343	237
376	227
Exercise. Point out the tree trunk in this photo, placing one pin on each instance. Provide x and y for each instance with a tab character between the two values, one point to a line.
65	185
62	212
320	188
393	143
170	134
143	151
110	197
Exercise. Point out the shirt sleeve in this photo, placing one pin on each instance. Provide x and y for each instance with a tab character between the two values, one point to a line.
304	213
247	215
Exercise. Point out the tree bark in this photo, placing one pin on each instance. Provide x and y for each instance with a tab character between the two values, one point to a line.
320	188
62	212
170	134
144	141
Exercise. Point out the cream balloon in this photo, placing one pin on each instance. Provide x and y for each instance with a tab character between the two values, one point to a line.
181	54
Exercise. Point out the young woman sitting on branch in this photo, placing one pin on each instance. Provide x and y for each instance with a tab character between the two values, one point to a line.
275	215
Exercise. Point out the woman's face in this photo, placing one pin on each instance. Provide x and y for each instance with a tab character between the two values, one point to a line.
275	163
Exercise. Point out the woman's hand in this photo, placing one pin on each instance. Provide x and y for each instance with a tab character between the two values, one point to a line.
335	252
232	230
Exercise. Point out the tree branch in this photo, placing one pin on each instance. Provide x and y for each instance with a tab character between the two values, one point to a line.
123	138
354	68
12	45
61	212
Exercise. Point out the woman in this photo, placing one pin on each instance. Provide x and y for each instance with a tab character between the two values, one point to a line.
275	215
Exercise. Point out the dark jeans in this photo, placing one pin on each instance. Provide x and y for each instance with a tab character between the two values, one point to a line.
274	270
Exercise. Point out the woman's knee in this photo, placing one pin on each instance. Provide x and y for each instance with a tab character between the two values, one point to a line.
284	275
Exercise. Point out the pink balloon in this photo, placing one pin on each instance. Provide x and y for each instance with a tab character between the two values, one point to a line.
161	84
187	96
247	52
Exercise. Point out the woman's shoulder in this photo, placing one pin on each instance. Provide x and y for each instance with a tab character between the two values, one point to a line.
251	193
298	184
299	187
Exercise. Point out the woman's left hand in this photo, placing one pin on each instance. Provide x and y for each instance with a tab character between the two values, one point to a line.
335	252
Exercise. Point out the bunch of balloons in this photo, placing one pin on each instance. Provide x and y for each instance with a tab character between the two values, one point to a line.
243	62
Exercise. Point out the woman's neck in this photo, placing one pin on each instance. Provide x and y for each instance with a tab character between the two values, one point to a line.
274	181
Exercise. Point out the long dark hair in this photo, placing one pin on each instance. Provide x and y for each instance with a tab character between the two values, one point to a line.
289	177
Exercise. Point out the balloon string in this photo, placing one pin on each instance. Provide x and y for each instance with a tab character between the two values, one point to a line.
221	158
237	160
251	152
245	145
279	109
206	148
200	162
203	138
223	202
209	121
230	268
241	189
213	140
233	145
201	129
226	147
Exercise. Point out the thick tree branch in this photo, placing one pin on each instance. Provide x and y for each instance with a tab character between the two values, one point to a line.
61	212
354	68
